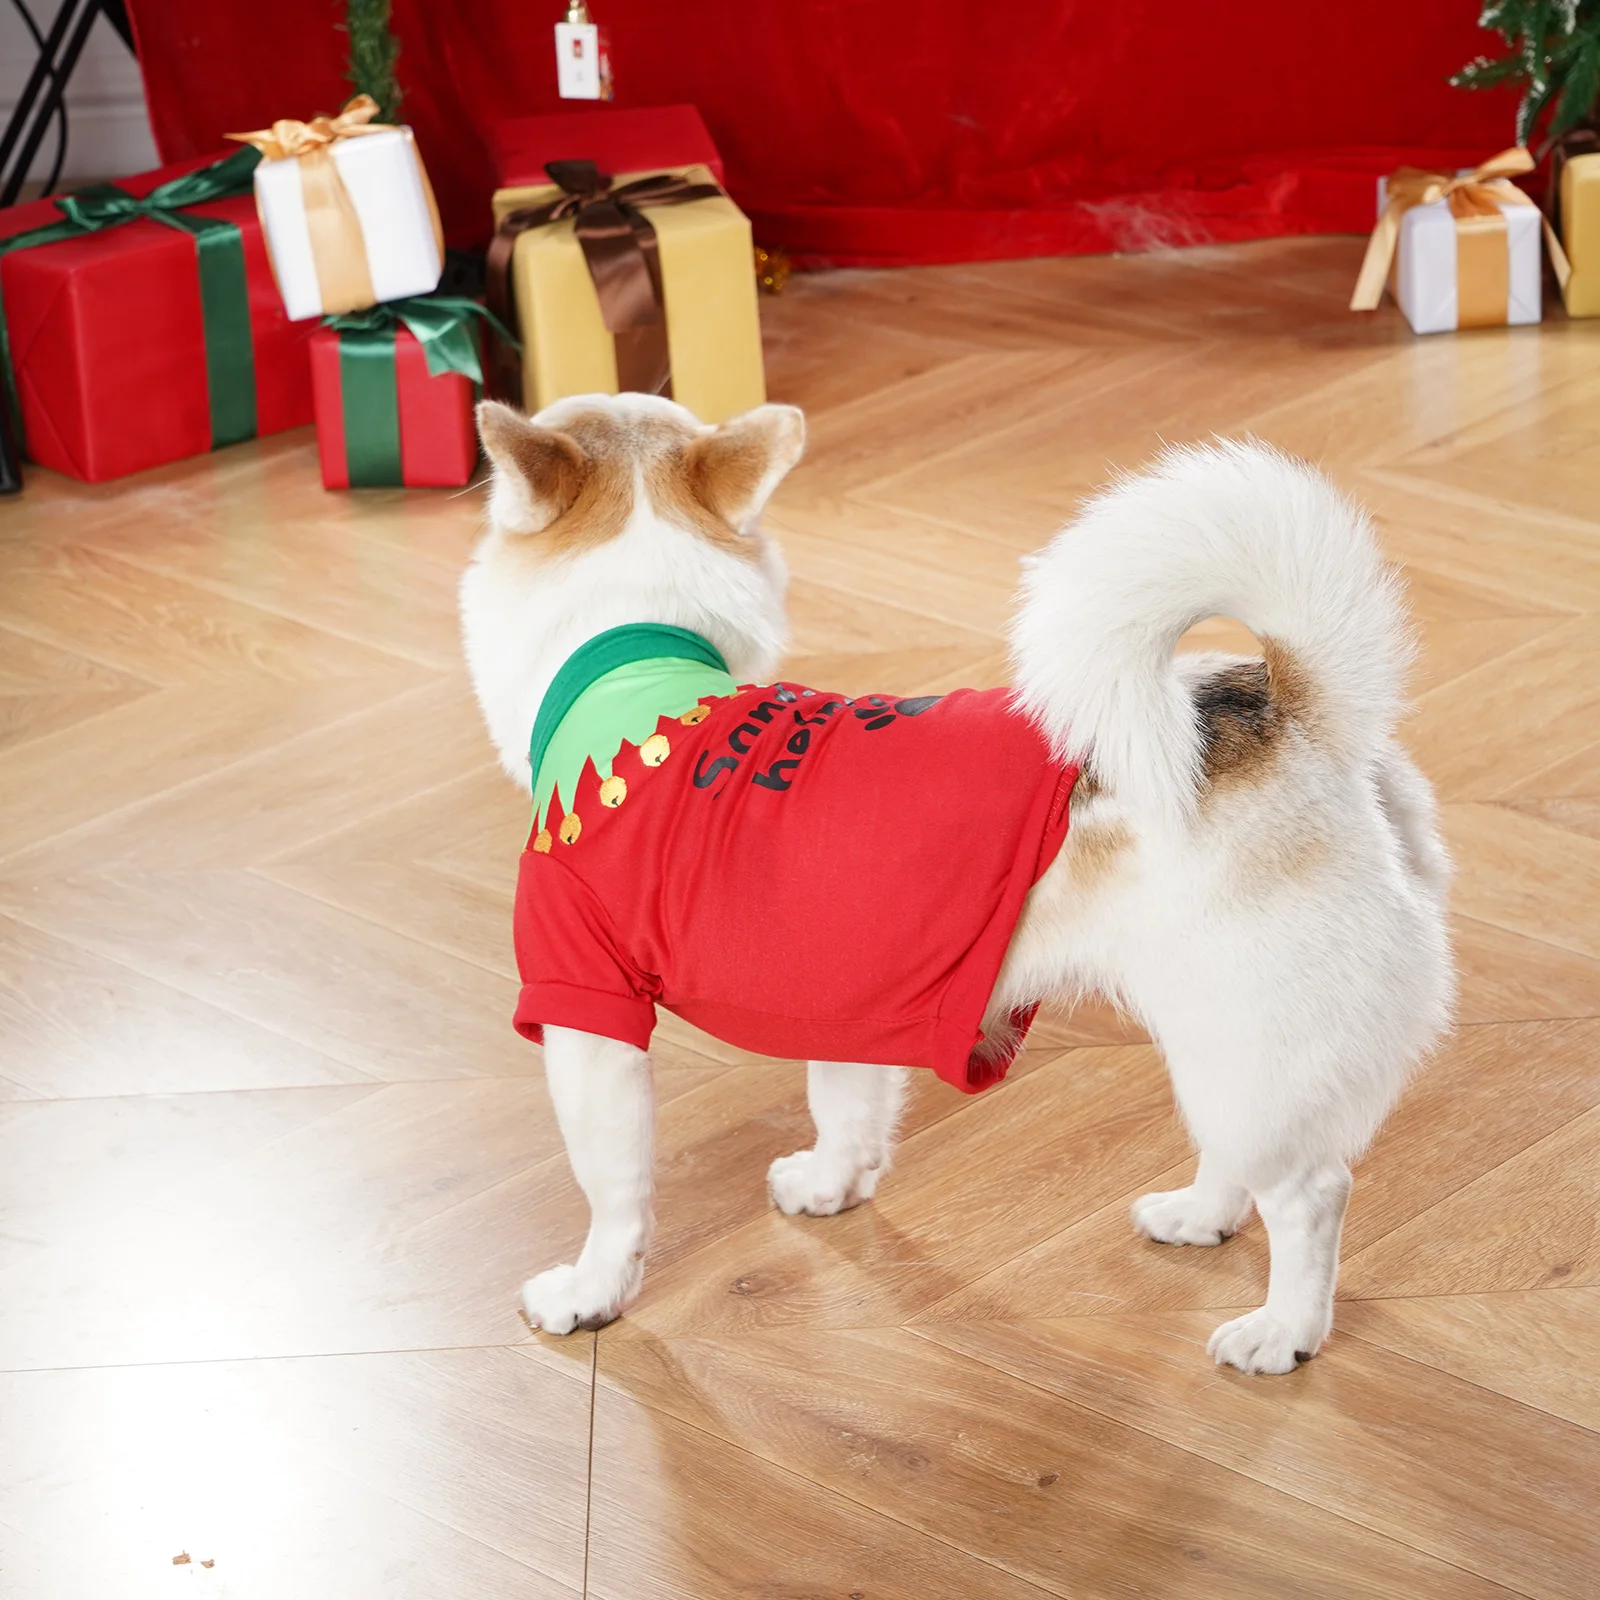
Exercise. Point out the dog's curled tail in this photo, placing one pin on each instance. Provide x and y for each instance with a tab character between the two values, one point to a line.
1234	529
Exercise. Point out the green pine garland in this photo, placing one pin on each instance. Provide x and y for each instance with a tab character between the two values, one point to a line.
373	51
1554	57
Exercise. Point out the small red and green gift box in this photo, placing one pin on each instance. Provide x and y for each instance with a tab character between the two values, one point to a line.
394	388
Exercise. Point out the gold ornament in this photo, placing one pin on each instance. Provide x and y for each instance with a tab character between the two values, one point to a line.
655	750
772	268
613	792
541	845
695	714
571	827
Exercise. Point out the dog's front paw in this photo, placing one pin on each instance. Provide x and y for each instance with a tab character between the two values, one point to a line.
1259	1342
1188	1216
804	1182
566	1298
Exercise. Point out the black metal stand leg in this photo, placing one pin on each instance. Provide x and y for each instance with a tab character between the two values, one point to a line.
116	13
47	85
10	456
42	94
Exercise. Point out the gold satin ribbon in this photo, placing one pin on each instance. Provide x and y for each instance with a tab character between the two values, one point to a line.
288	140
1483	265
338	250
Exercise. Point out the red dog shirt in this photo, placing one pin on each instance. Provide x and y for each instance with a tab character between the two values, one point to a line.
802	874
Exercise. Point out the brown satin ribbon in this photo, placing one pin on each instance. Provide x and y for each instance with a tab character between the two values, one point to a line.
1483	266
620	249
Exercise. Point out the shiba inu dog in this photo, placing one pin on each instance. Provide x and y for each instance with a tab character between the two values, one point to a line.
1236	850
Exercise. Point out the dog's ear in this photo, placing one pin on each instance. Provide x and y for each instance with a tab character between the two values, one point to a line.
538	472
734	470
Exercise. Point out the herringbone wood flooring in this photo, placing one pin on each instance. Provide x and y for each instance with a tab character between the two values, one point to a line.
274	1163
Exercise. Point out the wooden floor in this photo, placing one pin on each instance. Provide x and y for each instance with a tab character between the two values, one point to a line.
273	1163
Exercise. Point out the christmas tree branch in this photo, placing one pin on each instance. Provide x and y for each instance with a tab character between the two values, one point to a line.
1553	56
373	52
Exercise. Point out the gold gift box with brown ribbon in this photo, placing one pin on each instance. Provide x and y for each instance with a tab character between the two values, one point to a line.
1458	250
1577	183
640	282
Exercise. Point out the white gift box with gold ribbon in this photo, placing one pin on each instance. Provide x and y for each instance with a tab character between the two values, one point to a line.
347	211
1458	250
1427	282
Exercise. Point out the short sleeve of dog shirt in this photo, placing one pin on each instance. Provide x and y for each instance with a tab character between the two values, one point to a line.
574	972
803	875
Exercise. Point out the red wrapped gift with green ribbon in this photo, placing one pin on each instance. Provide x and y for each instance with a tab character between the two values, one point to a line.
139	323
394	387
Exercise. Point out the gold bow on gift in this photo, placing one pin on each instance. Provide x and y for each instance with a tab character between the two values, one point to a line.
1483	263
287	139
338	250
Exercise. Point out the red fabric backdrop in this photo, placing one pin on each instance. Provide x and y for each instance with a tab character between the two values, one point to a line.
877	133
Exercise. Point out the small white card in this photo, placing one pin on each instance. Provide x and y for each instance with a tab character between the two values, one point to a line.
583	62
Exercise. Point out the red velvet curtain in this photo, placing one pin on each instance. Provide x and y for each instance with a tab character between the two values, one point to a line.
862	132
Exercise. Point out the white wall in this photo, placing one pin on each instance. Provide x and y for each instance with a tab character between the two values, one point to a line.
109	128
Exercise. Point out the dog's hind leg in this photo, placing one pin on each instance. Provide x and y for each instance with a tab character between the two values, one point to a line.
856	1108
1273	1126
1211	1209
1304	1213
605	1104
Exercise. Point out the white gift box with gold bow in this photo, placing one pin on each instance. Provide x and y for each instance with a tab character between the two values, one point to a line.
1427	280
1458	250
347	211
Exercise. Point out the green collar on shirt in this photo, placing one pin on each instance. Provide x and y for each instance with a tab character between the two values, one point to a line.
611	691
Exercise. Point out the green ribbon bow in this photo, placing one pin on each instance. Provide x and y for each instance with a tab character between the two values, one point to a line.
368	385
219	253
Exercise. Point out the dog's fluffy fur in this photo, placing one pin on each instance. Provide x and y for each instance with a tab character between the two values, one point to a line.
1253	868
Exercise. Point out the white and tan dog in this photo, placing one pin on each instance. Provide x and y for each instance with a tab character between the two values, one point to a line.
1252	868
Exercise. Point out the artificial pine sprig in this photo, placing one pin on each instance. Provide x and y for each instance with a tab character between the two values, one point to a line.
373	51
1554	55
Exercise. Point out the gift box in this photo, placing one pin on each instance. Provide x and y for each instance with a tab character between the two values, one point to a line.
644	139
642	282
395	388
349	213
142	323
1580	232
1457	250
1445	279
